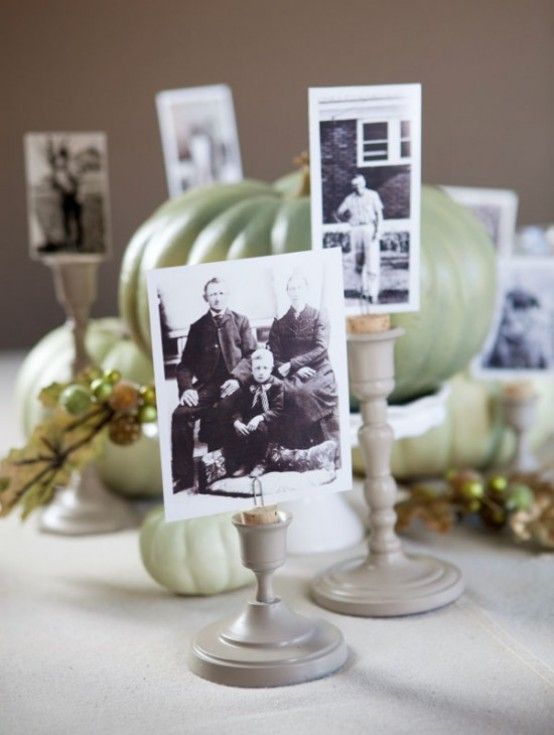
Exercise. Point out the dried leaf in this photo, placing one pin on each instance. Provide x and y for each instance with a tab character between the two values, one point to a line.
50	395
431	507
55	449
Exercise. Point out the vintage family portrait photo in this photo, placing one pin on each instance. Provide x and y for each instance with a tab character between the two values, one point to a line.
67	194
251	380
365	172
199	137
496	209
522	335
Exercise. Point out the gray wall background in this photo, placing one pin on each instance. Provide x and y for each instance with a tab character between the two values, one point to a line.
487	69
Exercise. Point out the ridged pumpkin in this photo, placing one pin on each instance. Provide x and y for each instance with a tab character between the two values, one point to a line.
200	556
130	471
252	218
473	434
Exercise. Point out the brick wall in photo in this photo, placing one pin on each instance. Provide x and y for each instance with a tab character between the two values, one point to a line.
338	167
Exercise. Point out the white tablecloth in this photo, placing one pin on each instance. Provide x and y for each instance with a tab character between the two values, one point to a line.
90	644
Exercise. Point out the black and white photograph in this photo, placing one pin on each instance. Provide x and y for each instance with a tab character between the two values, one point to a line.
535	240
199	137
67	194
522	335
365	172
251	381
496	209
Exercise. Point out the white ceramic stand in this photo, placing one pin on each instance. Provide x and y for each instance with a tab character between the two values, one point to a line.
323	524
84	506
387	582
411	419
332	523
267	644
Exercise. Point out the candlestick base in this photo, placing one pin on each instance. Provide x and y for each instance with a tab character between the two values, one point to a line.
85	507
267	644
412	584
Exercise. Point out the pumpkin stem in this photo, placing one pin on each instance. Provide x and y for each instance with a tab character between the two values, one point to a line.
303	163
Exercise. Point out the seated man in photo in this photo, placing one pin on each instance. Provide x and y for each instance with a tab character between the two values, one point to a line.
214	363
257	408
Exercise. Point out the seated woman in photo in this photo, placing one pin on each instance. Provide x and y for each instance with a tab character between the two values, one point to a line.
299	342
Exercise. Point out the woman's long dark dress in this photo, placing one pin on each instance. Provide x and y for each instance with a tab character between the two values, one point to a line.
310	414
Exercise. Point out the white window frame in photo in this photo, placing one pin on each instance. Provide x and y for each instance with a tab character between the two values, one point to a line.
394	142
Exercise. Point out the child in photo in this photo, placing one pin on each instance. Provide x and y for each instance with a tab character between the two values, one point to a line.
258	405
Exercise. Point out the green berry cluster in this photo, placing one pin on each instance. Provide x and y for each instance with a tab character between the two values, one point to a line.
493	498
129	406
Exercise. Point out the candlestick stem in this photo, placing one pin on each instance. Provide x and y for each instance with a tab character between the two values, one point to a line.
386	582
84	506
75	286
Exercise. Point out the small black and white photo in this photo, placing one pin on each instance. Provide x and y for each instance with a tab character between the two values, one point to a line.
199	137
496	209
535	240
365	172
67	194
521	339
251	381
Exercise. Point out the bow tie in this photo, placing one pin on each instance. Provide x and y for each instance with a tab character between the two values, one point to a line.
260	394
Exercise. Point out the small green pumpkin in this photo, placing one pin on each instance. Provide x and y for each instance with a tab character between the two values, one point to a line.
200	556
131	471
226	221
473	434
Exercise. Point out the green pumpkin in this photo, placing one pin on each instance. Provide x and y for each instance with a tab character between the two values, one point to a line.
473	434
200	556
132	471
252	219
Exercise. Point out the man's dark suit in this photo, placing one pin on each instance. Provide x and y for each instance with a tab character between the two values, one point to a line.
213	354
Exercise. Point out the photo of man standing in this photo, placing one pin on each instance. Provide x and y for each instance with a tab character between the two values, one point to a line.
363	211
213	365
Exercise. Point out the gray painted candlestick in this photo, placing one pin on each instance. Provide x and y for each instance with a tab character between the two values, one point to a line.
75	286
84	506
520	414
267	644
387	582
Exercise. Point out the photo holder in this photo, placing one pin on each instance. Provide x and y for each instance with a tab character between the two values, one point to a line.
69	231
386	582
267	644
519	403
84	506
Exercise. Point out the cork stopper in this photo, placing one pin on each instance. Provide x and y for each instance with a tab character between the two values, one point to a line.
261	516
518	390
368	323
